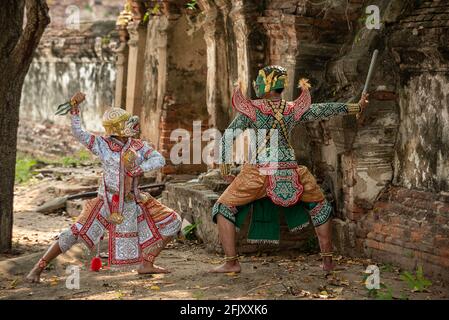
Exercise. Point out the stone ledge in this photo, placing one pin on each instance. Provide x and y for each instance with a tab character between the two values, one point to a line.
196	200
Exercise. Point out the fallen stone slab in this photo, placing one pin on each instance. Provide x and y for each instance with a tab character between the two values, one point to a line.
53	205
64	189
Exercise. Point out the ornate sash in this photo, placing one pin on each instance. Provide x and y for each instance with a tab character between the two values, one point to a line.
284	187
114	209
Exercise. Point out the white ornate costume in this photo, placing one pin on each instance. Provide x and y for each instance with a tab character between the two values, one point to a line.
143	222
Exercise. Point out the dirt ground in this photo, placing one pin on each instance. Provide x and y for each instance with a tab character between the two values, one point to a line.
290	275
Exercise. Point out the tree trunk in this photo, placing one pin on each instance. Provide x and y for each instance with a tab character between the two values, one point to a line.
17	45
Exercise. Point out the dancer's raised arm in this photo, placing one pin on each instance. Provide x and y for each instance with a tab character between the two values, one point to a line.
89	140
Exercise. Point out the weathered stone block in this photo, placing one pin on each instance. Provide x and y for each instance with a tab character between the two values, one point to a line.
196	200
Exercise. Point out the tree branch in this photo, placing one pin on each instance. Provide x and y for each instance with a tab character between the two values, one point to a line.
37	21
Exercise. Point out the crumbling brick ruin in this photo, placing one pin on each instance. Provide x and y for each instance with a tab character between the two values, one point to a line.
387	173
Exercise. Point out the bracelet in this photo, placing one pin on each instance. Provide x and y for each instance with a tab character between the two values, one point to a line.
149	257
42	263
354	108
225	169
326	254
226	259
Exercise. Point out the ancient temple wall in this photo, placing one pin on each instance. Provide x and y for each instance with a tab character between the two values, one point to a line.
174	79
68	61
386	172
74	57
422	153
407	222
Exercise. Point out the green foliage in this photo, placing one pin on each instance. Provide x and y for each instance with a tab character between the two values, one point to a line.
192	5
388	267
154	11
76	160
189	231
146	17
24	169
198	295
416	282
87	7
384	293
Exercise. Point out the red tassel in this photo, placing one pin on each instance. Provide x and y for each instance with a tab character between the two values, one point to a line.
95	264
115	198
115	203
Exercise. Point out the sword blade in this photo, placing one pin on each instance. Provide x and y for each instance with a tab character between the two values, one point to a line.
368	76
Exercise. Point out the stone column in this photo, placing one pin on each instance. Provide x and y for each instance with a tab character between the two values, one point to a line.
122	70
218	87
250	41
137	44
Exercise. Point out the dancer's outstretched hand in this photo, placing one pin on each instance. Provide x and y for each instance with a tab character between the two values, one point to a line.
78	98
363	101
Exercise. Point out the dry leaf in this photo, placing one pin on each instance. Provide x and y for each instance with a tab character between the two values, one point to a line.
338	290
54	281
14	283
304	293
323	295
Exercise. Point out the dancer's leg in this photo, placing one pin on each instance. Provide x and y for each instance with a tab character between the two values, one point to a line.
148	266
53	251
226	230
324	233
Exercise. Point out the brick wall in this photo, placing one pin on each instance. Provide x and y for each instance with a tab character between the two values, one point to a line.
178	117
409	227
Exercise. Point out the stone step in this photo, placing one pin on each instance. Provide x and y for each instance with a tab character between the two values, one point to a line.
69	189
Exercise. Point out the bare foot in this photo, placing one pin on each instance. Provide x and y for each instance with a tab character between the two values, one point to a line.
230	266
328	265
35	275
151	269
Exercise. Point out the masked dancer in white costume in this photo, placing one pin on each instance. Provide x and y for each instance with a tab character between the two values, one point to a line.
138	225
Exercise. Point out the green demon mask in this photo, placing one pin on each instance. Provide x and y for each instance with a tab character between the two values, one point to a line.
269	79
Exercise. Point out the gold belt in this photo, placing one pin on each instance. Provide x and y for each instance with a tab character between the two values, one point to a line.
129	197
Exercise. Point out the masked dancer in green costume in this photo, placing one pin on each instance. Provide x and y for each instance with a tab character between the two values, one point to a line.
272	182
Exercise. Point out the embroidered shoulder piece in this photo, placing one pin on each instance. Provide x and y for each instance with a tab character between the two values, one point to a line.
147	149
247	106
300	105
243	105
114	146
136	144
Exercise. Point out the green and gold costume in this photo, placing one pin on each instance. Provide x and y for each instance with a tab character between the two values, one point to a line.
273	182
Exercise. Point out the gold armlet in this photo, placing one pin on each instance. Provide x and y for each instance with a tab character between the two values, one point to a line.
326	254
353	108
225	169
234	258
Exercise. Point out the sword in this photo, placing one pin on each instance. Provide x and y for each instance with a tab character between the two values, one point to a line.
368	76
